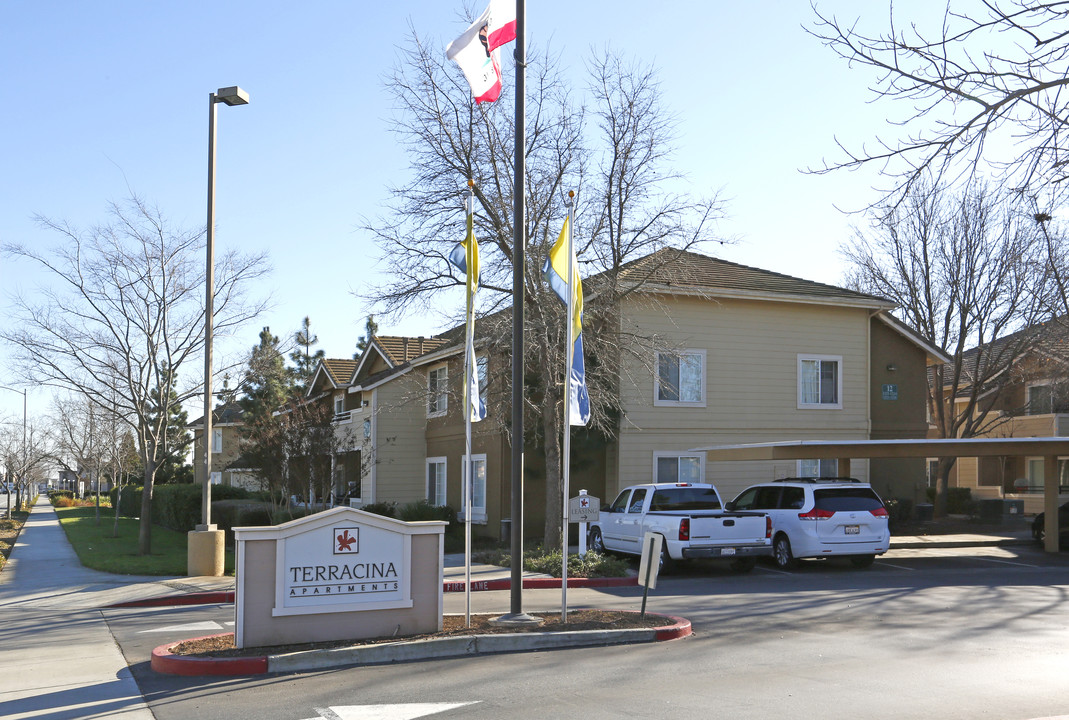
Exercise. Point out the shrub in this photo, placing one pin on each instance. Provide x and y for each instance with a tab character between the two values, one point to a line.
538	560
959	500
899	511
387	509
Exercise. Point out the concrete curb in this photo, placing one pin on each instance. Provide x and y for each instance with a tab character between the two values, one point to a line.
164	661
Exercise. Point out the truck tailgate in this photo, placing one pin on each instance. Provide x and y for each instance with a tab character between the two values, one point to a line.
727	529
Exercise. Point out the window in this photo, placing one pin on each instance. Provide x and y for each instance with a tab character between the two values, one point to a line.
478	488
217	440
1044	399
677	468
437	391
367	428
217	478
825	467
620	503
680	378
637	499
436	480
339	404
819	382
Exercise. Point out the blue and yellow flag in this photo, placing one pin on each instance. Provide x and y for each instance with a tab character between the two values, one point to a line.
555	270
464	256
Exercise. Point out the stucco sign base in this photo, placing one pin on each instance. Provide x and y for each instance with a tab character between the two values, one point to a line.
343	574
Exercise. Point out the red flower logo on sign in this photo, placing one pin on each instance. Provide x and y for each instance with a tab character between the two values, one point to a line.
345	542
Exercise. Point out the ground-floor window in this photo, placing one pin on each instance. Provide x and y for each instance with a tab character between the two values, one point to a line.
824	467
436	480
478	489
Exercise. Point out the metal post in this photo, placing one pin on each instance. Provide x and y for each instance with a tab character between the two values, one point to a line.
209	299
569	351
519	240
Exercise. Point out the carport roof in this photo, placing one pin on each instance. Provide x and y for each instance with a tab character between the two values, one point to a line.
898	448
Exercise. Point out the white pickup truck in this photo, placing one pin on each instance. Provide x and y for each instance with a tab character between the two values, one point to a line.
691	519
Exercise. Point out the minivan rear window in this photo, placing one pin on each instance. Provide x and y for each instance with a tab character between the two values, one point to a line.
846	499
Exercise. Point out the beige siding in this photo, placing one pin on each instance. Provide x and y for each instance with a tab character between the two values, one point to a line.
399	424
751	376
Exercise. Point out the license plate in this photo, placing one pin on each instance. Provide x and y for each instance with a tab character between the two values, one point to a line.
853	529
727	551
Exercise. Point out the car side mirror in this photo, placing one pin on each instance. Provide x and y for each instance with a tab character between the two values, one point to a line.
605	508
730	505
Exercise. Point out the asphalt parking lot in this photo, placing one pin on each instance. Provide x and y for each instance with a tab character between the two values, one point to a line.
983	627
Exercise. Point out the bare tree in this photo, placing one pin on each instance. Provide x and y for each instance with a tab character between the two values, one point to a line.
975	83
619	167
123	317
962	269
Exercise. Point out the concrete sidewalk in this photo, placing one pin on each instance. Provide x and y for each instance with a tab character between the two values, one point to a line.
57	655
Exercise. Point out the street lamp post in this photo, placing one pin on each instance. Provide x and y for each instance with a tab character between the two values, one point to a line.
23	469
231	96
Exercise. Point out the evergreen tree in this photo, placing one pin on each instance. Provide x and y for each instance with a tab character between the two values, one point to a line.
172	467
267	387
371	328
304	361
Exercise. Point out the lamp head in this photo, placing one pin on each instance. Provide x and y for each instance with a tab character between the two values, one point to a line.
232	96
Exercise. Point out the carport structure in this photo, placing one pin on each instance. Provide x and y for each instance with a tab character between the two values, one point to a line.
1049	448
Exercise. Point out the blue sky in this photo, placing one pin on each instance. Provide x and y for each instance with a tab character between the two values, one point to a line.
104	98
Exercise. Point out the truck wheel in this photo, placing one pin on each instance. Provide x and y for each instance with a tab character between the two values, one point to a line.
667	565
597	544
862	561
742	565
781	553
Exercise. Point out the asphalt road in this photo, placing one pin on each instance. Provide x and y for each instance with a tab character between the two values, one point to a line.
974	633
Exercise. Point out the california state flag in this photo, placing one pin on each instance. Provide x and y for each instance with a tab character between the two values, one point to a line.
476	50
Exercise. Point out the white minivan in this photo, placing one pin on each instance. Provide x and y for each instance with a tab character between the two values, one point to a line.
820	517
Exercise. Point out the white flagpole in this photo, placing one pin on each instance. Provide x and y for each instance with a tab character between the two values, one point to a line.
567	459
468	360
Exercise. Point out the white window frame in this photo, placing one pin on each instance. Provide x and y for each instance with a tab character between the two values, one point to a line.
838	404
802	472
657	455
217	478
437	390
217	440
437	495
657	401
339	403
478	513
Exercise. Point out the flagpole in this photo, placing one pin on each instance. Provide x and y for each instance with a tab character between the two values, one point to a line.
568	355
468	360
516	614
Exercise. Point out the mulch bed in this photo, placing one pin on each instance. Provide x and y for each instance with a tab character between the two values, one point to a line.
9	533
223	645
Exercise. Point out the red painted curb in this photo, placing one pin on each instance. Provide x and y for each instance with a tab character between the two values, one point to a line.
164	661
208	597
540	583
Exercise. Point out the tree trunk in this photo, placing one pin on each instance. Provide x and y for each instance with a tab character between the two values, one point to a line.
144	533
942	485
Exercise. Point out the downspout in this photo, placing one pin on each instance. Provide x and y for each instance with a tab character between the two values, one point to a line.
374	446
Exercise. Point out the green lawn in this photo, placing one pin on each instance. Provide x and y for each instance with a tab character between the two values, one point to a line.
97	548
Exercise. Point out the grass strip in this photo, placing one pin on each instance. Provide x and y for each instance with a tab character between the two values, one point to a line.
99	548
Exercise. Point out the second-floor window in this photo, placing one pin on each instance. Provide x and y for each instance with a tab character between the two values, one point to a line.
680	378
819	381
1044	399
437	391
482	364
339	404
217	440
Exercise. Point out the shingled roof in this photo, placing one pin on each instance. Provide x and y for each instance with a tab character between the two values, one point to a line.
671	269
339	370
400	349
